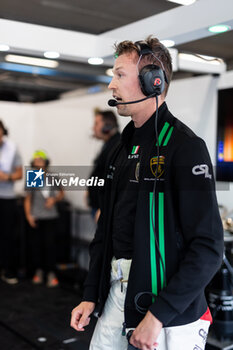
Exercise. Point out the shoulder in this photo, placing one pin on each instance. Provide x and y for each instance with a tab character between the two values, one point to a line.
9	144
181	130
182	133
186	144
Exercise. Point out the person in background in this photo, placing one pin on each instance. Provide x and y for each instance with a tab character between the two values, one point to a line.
105	128
10	171
41	214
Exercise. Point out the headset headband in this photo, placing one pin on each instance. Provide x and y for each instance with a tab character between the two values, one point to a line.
145	49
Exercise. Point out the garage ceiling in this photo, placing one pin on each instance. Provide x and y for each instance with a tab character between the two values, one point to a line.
220	45
96	18
88	16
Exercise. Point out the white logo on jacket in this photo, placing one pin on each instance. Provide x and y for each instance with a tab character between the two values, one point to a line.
202	169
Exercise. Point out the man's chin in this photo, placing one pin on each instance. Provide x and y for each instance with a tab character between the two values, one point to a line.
123	113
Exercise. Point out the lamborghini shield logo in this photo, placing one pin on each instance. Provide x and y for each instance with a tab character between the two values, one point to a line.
157	166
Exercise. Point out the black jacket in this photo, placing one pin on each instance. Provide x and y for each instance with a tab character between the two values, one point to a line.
99	168
187	224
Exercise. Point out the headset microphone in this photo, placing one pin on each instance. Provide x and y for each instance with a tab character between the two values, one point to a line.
114	103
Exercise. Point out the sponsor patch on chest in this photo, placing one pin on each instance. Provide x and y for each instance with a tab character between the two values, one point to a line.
157	166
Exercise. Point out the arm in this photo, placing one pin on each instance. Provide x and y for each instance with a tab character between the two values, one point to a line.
51	201
91	284
27	210
17	174
202	232
201	229
80	315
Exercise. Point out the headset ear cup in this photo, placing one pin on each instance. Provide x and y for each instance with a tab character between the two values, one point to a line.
142	84
151	79
107	128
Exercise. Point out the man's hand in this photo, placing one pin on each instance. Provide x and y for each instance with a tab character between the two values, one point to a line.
145	335
31	220
80	315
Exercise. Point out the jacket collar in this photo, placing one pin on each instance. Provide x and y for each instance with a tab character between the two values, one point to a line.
148	128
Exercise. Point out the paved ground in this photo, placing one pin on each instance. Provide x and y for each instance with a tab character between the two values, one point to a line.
36	317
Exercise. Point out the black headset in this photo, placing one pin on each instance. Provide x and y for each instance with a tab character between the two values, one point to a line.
107	128
151	77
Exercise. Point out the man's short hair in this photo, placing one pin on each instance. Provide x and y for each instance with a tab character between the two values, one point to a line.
159	51
109	118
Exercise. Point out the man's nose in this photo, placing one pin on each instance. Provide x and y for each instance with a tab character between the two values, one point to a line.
111	84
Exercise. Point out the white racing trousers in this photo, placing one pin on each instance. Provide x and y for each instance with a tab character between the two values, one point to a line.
108	331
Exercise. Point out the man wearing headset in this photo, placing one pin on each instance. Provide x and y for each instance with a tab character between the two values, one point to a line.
105	128
159	239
